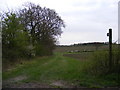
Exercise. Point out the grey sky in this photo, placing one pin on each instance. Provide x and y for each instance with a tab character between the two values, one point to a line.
86	20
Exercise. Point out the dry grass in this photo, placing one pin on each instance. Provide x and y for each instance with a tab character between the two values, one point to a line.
79	56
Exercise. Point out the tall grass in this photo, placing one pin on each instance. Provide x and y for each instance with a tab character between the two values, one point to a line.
100	62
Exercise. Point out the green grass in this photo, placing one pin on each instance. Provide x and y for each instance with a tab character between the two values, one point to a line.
57	67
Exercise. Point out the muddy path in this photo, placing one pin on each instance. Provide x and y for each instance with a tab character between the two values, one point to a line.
15	83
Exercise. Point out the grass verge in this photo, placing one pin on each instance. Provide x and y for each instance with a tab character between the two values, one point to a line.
57	68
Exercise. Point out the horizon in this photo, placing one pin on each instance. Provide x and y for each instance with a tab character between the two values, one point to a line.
85	43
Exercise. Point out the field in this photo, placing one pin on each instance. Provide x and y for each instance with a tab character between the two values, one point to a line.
62	70
81	48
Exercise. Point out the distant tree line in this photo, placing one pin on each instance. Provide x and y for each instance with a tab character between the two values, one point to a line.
31	31
82	44
91	43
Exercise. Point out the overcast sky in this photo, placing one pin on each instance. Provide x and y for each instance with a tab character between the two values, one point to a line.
85	20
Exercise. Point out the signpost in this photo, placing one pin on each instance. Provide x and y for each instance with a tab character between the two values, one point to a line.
110	48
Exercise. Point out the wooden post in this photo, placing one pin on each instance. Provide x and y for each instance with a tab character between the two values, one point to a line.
110	49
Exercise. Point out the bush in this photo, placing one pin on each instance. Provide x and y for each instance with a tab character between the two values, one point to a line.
42	50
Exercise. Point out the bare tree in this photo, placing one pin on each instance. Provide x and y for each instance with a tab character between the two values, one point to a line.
42	24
